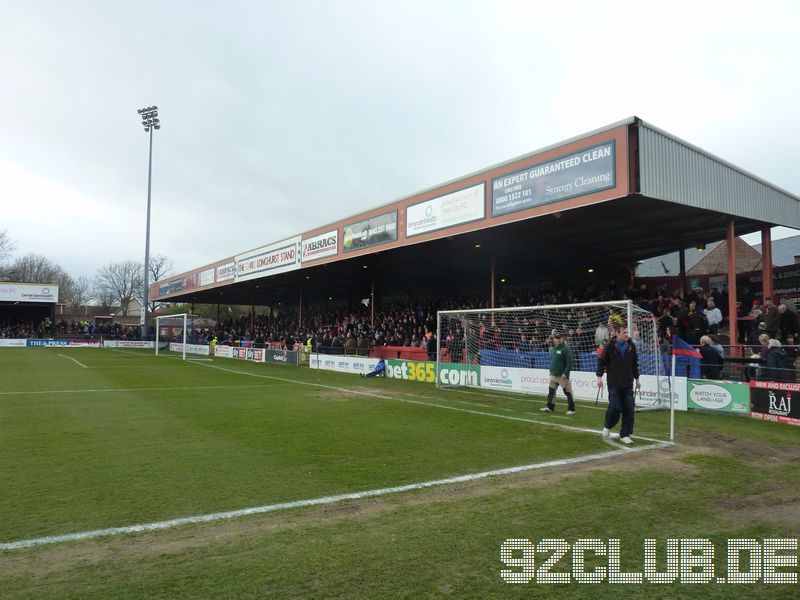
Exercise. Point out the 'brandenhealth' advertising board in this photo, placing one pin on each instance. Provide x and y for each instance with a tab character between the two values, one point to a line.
584	172
457	208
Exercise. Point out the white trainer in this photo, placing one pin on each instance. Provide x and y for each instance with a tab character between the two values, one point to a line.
546	409
606	432
570	412
626	440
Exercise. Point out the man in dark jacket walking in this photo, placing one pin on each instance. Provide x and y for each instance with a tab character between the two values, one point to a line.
620	362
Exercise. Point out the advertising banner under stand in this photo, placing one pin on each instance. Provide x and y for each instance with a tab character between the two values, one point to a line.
777	402
457	208
584	172
28	292
371	232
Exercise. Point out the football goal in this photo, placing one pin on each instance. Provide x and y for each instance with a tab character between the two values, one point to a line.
509	347
171	329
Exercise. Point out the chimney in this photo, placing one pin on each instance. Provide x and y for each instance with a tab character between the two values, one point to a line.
797	259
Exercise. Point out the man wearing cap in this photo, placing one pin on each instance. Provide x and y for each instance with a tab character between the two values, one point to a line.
561	360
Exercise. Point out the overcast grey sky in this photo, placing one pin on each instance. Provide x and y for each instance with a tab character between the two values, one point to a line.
282	116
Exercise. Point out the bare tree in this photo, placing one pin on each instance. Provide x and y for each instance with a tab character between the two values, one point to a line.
7	245
80	292
160	267
33	268
121	281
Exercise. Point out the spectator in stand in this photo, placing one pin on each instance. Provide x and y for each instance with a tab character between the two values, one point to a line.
711	362
601	334
777	368
431	345
788	323
351	345
771	318
714	316
698	324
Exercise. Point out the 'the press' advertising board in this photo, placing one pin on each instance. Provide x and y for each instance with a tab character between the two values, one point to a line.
74	343
457	208
589	170
722	396
370	232
774	401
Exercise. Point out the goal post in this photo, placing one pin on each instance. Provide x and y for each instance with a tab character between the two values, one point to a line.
510	348
172	325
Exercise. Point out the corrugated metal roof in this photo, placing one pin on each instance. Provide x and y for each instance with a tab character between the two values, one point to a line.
667	265
674	170
784	251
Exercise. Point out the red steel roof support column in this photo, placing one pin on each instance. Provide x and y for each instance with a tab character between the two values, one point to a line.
732	313
766	263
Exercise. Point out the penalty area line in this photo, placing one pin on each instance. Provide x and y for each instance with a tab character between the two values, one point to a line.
77	362
267	508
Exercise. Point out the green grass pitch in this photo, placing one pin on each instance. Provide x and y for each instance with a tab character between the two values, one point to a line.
93	439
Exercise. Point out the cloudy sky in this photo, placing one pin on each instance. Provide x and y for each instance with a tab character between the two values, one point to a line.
282	116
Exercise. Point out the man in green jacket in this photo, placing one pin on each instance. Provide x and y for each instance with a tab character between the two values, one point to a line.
561	361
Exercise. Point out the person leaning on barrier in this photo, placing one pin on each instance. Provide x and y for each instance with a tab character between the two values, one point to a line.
711	362
777	368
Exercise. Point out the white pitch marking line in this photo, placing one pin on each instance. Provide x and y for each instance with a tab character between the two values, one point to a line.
144	389
516	397
77	362
158	525
396	399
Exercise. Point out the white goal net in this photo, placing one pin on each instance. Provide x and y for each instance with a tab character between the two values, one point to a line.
171	333
509	348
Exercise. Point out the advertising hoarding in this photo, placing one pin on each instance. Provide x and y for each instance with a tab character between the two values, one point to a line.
226	272
371	232
28	292
320	246
722	396
457	208
269	260
583	172
342	364
774	401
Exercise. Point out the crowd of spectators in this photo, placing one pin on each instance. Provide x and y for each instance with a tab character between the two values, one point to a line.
37	327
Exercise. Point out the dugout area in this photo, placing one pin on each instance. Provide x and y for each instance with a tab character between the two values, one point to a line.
665	195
